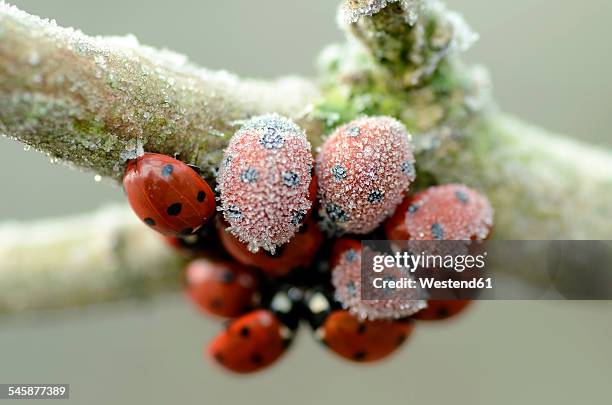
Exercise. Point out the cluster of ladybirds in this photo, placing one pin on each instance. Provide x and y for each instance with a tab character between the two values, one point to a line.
285	247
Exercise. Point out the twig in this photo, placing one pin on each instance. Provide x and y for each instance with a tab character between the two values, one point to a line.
102	256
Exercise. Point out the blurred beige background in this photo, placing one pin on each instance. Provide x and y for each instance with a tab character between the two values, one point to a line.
550	62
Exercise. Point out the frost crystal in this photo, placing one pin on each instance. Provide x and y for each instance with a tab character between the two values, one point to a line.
132	150
352	10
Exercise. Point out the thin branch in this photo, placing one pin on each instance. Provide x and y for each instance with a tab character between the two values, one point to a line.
98	257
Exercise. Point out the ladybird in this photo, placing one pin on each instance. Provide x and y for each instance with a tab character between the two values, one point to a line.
265	182
168	195
438	310
346	279
364	168
351	338
250	343
344	246
299	252
221	288
447	212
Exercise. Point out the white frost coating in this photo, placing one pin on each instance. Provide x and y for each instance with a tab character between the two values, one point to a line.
105	92
352	10
482	94
463	35
133	149
83	259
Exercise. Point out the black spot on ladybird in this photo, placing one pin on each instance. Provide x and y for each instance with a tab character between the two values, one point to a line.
407	168
245	332
376	196
360	355
167	170
350	288
216	303
174	209
201	196
219	357
400	339
353	131
149	221
272	139
291	179
351	255
437	231
442	312
297	216
250	175
256	358
335	213
361	329
227	277
339	172
233	212
461	196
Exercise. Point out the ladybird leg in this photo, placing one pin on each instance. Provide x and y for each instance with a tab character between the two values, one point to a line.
195	168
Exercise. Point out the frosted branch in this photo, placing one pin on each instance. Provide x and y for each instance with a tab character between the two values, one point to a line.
95	102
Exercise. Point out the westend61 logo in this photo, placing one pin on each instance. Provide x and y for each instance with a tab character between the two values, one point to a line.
486	270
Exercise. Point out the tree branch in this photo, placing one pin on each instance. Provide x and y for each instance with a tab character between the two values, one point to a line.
95	102
98	257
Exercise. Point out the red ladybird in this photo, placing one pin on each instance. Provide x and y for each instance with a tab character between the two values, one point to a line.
221	288
344	246
168	195
362	341
439	310
353	339
447	212
251	342
347	281
299	252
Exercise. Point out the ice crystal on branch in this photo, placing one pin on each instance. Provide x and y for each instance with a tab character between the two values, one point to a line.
352	10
